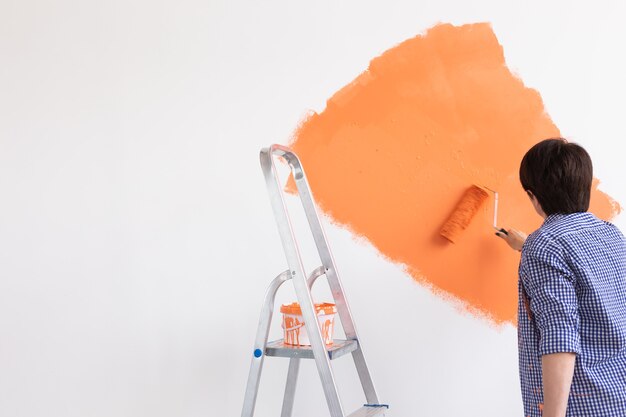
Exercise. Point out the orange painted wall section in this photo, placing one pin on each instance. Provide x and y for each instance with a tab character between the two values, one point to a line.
393	152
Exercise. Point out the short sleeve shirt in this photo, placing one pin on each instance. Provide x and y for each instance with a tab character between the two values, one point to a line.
572	298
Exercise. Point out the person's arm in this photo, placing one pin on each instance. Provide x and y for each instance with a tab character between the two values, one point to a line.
550	286
557	370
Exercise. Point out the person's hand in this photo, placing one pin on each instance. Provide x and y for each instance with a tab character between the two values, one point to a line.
513	237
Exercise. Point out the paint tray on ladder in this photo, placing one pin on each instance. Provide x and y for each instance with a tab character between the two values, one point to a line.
293	323
296	343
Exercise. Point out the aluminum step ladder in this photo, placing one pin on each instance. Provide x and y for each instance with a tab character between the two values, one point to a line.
318	351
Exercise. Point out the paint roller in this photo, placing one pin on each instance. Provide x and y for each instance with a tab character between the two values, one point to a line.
465	210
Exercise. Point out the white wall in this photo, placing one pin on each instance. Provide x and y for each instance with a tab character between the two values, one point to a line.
136	237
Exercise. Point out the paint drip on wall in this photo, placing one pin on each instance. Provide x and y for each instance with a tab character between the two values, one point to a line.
394	150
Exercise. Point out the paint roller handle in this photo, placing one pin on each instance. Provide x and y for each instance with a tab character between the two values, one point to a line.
513	237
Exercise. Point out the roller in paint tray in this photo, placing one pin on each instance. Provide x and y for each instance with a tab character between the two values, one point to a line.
466	209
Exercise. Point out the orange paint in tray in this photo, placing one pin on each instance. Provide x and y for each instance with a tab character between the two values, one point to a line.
293	323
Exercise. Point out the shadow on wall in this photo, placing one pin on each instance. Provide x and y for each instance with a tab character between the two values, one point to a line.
394	150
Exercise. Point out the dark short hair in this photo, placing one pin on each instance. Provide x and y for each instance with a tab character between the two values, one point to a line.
559	174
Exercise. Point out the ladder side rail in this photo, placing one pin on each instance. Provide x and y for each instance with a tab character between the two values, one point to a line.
319	237
290	387
294	363
254	376
328	262
300	284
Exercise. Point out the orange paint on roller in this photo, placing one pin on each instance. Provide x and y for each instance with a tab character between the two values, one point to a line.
470	203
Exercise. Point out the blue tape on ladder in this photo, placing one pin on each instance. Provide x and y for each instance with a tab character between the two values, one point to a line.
377	405
258	353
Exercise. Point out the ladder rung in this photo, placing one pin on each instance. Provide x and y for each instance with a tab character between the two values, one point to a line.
336	350
369	411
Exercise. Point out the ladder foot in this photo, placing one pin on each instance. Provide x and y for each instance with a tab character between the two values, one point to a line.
371	410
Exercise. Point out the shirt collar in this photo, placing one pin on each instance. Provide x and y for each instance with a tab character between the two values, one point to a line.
553	218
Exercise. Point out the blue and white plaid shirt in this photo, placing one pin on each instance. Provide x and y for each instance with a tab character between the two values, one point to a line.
572	298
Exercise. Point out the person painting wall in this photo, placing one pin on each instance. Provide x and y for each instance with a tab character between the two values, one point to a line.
572	291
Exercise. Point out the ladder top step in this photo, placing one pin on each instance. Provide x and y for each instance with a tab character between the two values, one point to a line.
336	350
370	411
